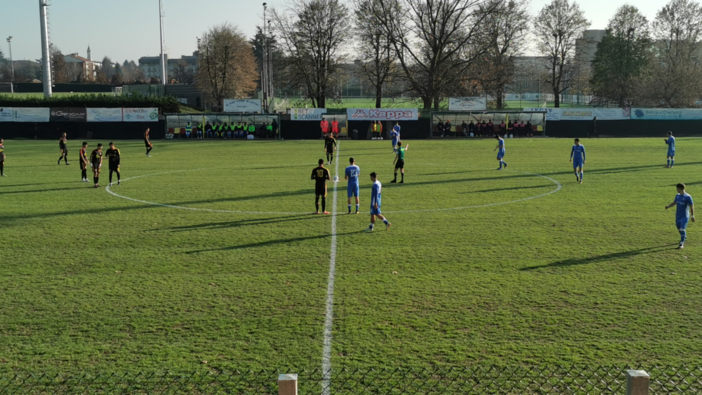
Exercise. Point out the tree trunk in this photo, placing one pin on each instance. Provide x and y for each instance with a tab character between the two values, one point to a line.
427	103
437	102
556	97
321	101
378	96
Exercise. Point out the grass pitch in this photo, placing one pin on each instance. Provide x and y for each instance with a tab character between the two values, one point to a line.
585	274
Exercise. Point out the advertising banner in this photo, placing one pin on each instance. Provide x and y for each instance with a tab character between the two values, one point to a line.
468	103
587	114
30	114
246	105
307	114
104	114
674	114
6	114
535	109
379	114
65	114
140	114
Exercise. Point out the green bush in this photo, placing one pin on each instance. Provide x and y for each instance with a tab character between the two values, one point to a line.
166	104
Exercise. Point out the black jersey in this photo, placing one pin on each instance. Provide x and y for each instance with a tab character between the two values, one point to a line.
113	155
329	144
320	175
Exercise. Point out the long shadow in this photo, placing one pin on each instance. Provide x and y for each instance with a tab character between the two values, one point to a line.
509	189
245	222
38	183
45	190
602	258
272	242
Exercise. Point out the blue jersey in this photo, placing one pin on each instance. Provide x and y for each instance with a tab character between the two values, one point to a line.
577	154
501	144
375	194
352	172
671	144
684	201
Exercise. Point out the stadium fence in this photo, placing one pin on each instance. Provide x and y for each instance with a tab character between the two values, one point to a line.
456	380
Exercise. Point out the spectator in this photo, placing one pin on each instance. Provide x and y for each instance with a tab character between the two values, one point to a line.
252	130
510	127
226	131
274	125
530	129
440	128
263	130
447	127
464	128
503	128
484	128
490	126
523	128
471	129
188	130
269	131
208	129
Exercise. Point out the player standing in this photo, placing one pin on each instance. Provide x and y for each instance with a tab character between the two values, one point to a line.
577	157
96	164
147	142
114	157
84	162
375	203
501	152
395	134
2	158
64	149
685	211
320	175
353	189
329	148
670	141
399	162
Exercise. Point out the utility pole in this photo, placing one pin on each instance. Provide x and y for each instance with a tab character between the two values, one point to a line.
45	53
264	64
164	75
12	63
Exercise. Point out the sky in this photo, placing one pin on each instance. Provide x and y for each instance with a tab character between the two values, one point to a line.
129	29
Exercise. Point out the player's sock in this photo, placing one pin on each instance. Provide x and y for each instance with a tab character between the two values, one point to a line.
324	204
358	208
95	180
60	157
371	226
349	209
2	171
500	164
668	162
403	177
385	221
395	179
683	236
110	177
581	175
316	203
505	163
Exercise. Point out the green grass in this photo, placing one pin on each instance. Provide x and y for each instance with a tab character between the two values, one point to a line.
586	275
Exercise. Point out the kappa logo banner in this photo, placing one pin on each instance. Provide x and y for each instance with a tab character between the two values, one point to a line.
377	114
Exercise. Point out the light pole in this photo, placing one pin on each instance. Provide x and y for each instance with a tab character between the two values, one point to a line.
264	64
12	64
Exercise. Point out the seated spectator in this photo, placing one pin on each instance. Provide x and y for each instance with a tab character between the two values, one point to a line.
269	131
522	129
263	130
464	128
510	127
529	129
503	128
490	126
252	129
447	126
471	128
486	130
208	130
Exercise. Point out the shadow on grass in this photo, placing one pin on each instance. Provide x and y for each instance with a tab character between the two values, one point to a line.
509	189
603	258
273	242
48	190
245	222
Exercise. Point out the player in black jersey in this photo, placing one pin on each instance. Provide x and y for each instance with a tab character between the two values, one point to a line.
96	163
2	158
320	175
147	142
329	148
64	149
84	163
114	157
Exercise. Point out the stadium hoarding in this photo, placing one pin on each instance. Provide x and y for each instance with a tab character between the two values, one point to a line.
587	114
468	103
6	114
673	114
535	109
104	114
307	114
140	114
67	114
31	114
244	105
379	114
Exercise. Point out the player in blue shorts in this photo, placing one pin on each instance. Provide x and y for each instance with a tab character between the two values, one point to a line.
395	134
501	152
670	141
375	204
685	211
352	173
577	157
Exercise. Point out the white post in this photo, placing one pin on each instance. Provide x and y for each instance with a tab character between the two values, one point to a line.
45	53
287	384
637	382
164	66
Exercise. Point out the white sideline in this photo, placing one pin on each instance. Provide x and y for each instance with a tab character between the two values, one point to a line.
327	350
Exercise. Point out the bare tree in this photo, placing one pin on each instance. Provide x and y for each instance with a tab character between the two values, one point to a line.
58	66
558	26
676	72
183	73
313	35
436	43
227	67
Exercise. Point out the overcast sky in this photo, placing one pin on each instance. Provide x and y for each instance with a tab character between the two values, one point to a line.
129	29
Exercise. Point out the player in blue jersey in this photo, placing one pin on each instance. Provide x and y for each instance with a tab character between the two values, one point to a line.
395	134
670	141
501	152
577	157
375	204
352	173
685	211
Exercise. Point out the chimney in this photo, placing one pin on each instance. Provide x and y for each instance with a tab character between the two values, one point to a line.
90	56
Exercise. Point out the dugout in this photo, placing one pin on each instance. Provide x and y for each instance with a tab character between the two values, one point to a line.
410	129
176	123
456	118
624	128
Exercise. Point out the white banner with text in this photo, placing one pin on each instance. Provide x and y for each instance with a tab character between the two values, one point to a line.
307	114
30	114
468	103
103	114
140	114
6	114
380	114
245	105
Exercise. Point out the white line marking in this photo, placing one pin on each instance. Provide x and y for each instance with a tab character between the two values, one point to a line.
327	350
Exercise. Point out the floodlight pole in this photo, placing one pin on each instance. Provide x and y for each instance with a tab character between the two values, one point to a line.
45	53
164	76
264	64
12	63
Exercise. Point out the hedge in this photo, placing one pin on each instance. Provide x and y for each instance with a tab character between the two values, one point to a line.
166	104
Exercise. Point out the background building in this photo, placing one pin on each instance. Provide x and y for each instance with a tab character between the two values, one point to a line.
180	70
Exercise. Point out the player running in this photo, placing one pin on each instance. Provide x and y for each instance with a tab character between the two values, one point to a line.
501	152
63	141
577	157
670	141
96	164
84	162
352	173
147	142
395	134
329	148
114	157
320	175
685	211
375	204
2	158
399	162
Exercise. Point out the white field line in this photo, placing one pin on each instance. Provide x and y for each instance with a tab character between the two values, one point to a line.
329	314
